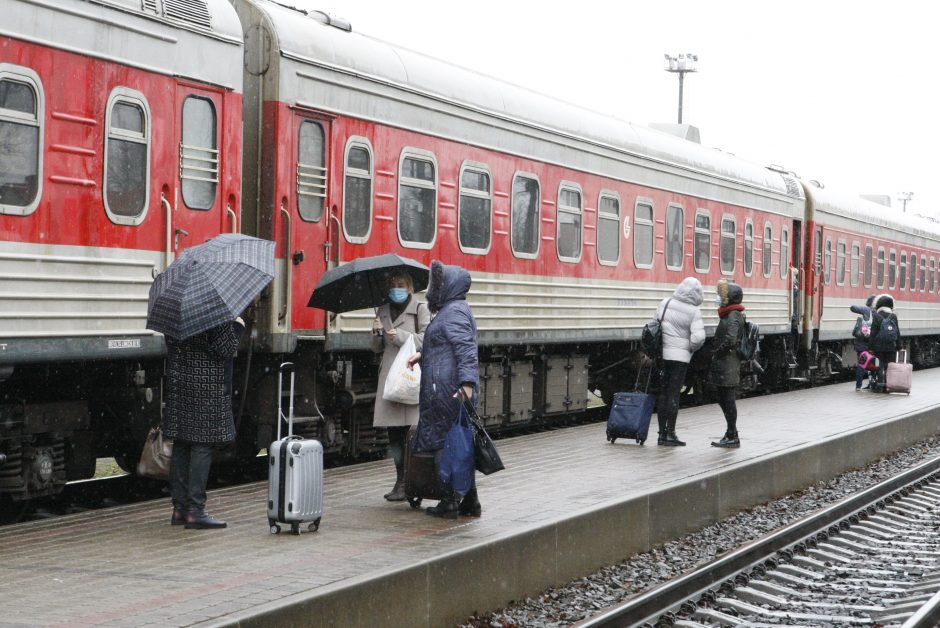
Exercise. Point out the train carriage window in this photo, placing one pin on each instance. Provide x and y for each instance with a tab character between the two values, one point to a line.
526	200
868	265
892	268
748	248
727	245
913	267
855	264
923	273
675	225
767	260
21	131
417	199
827	269
357	190
311	171
703	241
199	167
784	252
608	228
643	235
881	267
840	263
127	157
475	211
568	226
902	273
933	274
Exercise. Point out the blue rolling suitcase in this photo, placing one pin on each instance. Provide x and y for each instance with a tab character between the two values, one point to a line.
630	413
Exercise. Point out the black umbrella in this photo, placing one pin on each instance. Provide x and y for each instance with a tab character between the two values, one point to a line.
363	282
209	284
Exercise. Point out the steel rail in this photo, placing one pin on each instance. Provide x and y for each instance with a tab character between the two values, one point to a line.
671	596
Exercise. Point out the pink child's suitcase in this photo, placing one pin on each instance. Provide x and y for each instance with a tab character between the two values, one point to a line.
899	375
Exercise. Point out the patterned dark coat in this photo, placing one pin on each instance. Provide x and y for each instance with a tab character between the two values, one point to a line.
199	386
449	357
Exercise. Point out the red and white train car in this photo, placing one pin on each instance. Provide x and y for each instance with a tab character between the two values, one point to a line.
120	143
860	248
573	224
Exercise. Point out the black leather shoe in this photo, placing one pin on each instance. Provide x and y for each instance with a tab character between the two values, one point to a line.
202	521
729	441
178	517
662	439
470	505
671	440
446	508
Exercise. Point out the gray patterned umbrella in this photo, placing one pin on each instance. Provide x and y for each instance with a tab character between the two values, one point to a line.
209	284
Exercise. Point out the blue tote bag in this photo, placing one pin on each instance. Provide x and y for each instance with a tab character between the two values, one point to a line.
457	462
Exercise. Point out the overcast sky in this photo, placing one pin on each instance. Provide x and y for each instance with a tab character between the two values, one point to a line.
838	91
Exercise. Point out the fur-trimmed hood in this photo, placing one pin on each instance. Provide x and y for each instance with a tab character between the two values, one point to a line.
884	303
447	283
730	293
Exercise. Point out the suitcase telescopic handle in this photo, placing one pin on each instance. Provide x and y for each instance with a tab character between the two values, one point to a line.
286	367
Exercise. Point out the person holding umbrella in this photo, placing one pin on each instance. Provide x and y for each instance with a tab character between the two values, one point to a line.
196	303
402	317
450	374
198	416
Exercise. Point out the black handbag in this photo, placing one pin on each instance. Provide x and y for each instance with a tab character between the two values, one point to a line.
485	456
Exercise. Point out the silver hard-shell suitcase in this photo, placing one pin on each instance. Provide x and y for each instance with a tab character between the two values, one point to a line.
295	471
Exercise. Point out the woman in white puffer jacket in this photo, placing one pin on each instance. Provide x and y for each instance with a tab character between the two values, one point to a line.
683	334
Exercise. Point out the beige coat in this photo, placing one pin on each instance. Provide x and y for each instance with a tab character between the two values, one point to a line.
390	413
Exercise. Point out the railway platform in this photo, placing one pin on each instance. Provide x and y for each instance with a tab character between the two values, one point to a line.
568	503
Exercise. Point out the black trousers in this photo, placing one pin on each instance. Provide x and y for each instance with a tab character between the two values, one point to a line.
726	397
189	474
667	405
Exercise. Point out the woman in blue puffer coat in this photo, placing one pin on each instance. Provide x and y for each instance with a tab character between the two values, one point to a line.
450	373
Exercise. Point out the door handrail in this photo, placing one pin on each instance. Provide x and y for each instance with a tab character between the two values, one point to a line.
168	259
288	267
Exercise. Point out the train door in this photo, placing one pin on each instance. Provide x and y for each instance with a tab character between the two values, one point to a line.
817	277
196	212
307	218
796	284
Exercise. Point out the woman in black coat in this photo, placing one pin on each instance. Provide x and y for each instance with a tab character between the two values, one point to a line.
450	373
198	416
725	372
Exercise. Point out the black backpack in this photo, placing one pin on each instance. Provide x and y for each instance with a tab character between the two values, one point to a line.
652	338
747	343
887	337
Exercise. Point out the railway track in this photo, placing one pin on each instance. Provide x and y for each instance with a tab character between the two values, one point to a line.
871	559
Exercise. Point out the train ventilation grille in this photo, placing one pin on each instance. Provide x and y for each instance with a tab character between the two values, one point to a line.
150	6
195	12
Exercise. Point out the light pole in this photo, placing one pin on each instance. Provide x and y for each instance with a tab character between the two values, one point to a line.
681	64
904	197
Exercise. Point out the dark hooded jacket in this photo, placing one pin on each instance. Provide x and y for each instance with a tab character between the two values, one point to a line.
726	364
887	338
449	356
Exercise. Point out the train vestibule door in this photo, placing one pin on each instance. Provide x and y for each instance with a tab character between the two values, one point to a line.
195	205
305	220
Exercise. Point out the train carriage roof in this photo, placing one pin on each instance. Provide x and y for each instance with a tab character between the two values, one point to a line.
309	39
856	209
196	39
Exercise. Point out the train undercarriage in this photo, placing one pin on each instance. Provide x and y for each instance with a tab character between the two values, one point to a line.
57	420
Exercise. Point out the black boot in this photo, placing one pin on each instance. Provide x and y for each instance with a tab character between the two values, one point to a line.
446	508
397	494
671	440
201	520
470	505
729	440
662	438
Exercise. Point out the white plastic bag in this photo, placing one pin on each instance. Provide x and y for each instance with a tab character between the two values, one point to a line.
403	385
